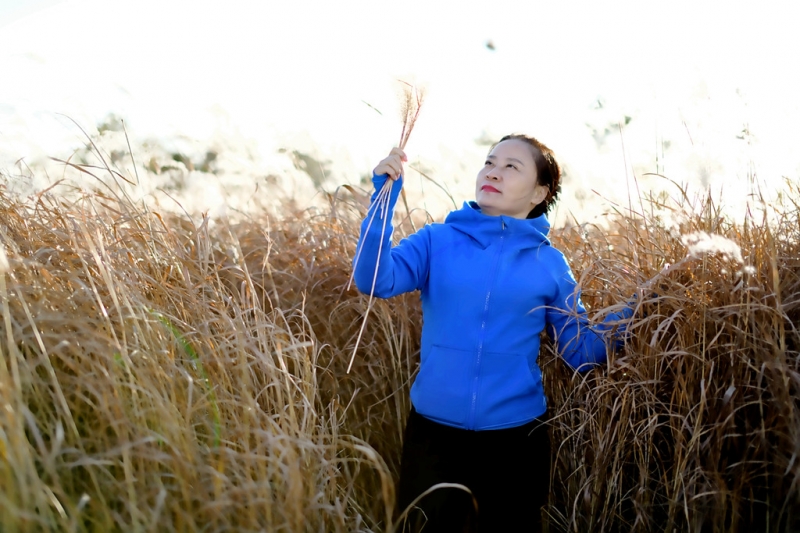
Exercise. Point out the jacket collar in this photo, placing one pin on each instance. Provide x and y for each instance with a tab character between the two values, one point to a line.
486	229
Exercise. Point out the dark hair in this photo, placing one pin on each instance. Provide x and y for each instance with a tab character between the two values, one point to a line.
548	173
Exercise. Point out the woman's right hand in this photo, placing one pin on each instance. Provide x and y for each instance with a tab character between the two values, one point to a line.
392	164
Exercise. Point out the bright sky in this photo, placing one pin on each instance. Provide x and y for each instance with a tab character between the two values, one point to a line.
690	75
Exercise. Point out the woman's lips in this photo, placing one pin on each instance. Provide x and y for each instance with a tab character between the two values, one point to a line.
489	188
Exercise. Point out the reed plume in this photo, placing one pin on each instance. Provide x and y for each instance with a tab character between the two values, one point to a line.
411	104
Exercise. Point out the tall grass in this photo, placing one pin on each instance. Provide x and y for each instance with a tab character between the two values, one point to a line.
165	373
695	426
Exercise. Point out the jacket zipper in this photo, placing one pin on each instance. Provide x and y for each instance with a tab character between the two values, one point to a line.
471	421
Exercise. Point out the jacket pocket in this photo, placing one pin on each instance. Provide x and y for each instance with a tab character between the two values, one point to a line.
510	390
442	388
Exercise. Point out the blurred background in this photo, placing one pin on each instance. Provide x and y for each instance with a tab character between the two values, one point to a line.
226	101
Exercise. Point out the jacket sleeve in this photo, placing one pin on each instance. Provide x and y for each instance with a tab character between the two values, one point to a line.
579	342
393	270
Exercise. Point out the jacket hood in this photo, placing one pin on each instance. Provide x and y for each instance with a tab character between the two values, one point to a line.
486	229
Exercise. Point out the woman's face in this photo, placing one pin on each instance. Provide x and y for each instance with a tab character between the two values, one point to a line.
506	184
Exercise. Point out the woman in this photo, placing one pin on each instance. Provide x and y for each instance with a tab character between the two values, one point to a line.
490	283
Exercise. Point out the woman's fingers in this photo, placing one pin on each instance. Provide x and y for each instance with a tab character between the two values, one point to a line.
398	152
392	164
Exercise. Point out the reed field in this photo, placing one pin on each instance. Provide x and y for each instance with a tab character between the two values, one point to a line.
163	372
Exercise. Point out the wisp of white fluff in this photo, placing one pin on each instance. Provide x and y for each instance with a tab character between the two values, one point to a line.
700	242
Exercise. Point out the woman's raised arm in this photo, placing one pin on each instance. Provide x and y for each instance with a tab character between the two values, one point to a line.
379	268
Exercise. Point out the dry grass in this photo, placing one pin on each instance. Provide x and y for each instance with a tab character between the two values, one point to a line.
162	374
695	426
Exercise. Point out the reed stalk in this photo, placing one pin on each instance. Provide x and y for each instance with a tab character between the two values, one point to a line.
409	110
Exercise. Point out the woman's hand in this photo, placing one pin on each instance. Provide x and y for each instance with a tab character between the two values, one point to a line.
392	165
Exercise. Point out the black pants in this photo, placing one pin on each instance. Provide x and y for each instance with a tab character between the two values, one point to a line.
507	470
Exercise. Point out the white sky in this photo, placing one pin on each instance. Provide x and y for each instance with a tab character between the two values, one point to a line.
691	74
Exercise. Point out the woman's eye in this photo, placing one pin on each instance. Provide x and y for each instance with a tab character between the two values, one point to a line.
512	166
487	163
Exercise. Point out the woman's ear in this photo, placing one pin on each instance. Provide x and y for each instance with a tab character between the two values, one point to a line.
539	195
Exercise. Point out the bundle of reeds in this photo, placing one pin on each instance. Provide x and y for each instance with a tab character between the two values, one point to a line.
409	111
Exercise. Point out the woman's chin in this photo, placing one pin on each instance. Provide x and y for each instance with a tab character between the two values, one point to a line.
483	202
487	208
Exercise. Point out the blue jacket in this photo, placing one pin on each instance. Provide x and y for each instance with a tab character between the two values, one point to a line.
489	286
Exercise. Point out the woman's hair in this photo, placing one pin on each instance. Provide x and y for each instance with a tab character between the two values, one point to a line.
548	172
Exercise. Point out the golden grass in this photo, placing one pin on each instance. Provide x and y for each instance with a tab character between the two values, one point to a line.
162	374
695	426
